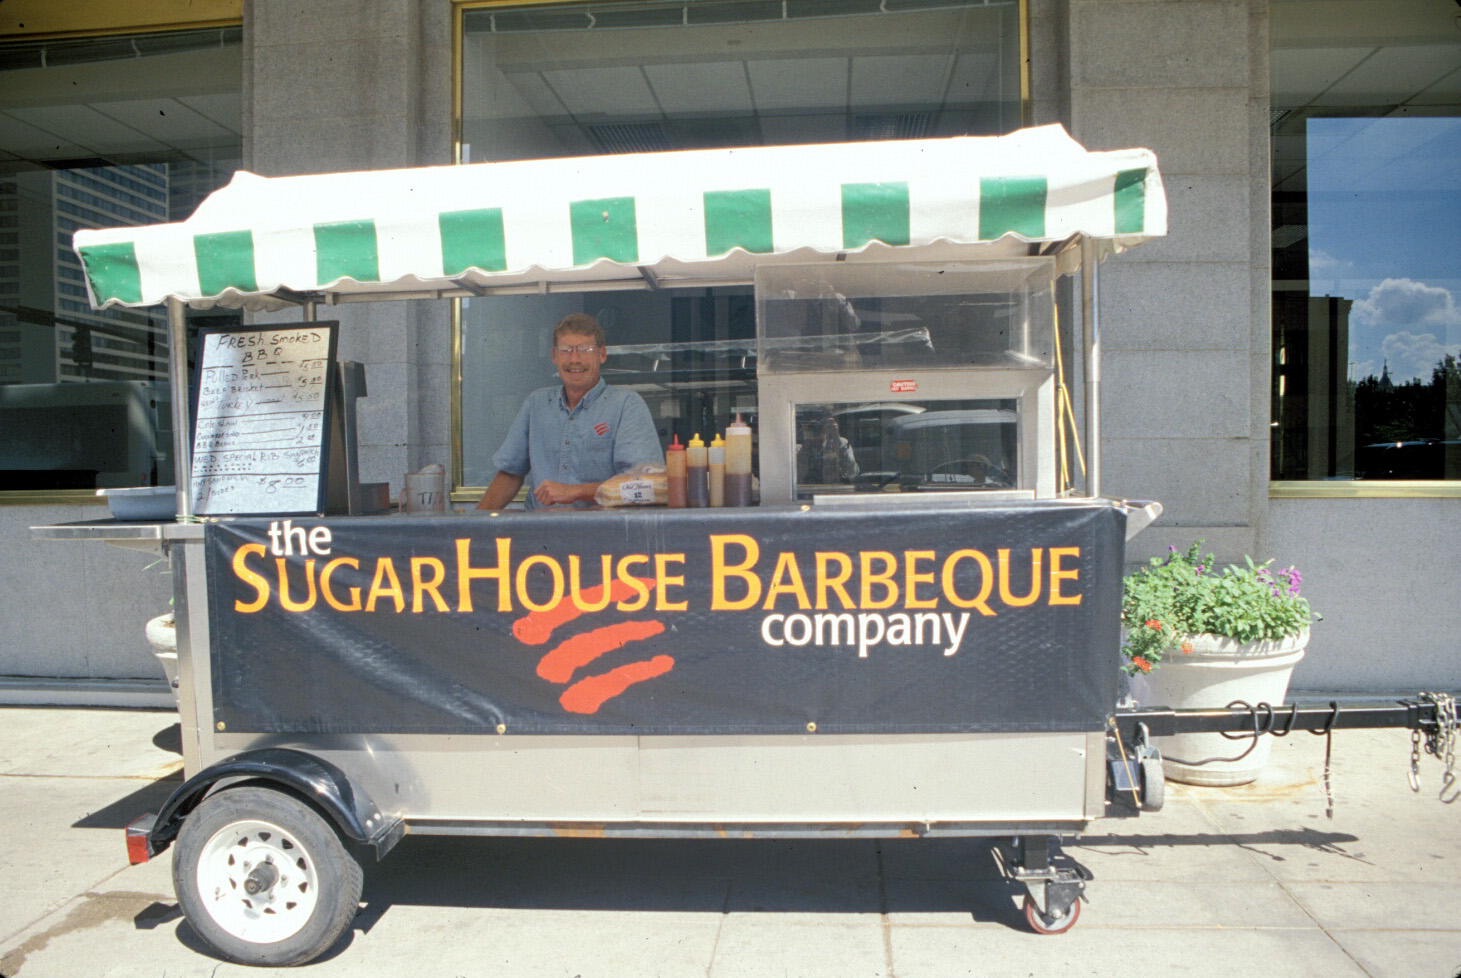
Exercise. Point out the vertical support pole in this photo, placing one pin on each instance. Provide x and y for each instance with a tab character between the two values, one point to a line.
1091	337
182	448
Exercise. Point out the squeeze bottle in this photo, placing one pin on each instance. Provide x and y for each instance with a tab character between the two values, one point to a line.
738	463
696	466
675	474
716	455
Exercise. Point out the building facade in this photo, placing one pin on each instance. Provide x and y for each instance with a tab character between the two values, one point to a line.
1283	391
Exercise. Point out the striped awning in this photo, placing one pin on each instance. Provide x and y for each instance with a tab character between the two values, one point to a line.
694	217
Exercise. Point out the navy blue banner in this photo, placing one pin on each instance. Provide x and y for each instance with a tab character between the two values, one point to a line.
959	619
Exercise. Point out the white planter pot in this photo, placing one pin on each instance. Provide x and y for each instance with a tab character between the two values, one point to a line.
1217	672
162	635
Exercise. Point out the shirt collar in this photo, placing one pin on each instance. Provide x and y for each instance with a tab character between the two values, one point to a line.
588	398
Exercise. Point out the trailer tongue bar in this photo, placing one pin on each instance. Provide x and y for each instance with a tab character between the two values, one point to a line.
1421	713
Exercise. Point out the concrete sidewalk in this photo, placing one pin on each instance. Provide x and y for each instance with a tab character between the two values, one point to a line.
1251	880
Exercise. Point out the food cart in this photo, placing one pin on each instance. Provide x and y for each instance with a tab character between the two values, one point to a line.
926	649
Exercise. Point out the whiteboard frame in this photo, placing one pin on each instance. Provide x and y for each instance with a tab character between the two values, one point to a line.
322	474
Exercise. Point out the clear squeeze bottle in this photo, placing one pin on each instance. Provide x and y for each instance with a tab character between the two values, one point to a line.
675	479
738	463
696	466
716	471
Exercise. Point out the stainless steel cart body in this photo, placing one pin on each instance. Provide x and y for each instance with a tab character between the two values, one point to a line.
1000	729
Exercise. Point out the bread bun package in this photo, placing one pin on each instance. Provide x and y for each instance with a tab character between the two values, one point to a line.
643	485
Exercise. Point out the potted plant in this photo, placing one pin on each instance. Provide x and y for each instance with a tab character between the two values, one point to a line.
1219	637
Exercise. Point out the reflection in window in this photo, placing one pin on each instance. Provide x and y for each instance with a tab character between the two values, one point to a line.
585	79
98	132
1366	278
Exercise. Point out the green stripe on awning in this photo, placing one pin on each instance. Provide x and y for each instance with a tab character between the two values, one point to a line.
1011	204
113	271
605	228
225	261
1130	201
737	219
472	239
874	212
346	248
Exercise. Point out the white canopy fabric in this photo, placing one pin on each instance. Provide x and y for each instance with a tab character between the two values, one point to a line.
694	217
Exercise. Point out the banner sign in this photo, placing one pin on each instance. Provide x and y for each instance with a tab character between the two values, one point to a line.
959	619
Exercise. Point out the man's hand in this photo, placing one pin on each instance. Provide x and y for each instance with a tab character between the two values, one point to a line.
549	493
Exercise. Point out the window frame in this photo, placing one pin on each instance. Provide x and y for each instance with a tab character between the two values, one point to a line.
1319	488
461	493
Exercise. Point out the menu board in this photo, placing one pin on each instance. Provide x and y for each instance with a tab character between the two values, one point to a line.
259	444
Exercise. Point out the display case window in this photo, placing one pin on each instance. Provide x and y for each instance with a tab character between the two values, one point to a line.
913	446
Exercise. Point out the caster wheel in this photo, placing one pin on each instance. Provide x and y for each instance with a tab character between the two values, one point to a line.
1042	924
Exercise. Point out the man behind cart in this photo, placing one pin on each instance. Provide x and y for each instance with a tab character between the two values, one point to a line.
567	439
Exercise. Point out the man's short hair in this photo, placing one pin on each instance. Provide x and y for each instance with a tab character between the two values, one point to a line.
580	324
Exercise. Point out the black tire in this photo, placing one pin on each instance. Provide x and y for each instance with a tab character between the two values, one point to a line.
1153	785
264	878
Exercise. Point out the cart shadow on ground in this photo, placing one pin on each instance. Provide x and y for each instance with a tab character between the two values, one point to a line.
723	876
647	876
828	876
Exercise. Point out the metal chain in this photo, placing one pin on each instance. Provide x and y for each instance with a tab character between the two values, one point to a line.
1414	772
1439	743
1446	744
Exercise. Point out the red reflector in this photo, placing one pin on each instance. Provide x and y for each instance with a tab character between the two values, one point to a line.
138	850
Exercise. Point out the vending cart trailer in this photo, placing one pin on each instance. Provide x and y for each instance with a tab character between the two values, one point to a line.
925	646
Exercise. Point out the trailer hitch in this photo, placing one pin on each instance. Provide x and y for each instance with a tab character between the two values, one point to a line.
1431	718
1423	713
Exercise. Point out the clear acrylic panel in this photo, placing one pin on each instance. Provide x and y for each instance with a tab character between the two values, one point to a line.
868	316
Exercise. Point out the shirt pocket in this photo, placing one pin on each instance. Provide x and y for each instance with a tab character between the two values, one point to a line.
595	445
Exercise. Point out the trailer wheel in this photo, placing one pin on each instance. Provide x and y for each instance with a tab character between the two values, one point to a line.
1042	923
263	878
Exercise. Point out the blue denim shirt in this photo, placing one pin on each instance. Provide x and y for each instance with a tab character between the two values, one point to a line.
610	431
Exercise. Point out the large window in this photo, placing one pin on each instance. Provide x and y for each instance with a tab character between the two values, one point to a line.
98	132
1366	271
585	79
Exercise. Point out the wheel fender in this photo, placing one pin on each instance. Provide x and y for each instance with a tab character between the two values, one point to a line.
318	781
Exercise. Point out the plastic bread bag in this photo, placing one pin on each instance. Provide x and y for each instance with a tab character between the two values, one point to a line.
642	485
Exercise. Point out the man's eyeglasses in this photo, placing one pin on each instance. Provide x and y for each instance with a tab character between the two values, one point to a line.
583	349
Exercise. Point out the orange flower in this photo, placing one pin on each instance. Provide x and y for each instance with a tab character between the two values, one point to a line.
1154	624
1141	663
1187	648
